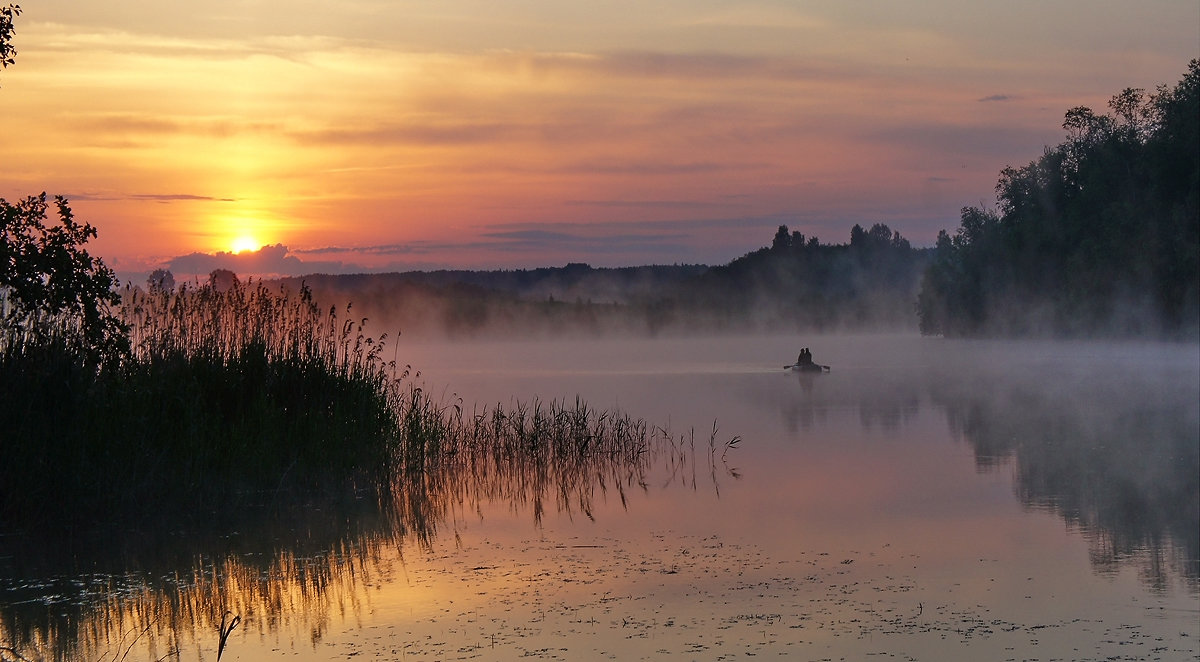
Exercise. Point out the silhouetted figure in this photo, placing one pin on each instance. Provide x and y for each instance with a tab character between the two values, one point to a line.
804	363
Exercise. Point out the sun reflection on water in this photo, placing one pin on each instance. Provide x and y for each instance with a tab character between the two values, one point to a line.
533	459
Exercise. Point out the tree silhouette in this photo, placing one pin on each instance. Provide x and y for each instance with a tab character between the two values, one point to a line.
1099	235
222	280
161	280
8	52
53	289
782	239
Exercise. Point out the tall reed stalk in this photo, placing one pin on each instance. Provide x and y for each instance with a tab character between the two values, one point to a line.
226	399
239	397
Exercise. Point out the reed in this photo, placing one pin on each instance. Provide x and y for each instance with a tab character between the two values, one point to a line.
252	409
248	396
226	399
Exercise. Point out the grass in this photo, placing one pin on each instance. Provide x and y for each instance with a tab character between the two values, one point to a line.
239	398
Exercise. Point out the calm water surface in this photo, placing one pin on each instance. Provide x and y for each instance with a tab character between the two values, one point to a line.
927	499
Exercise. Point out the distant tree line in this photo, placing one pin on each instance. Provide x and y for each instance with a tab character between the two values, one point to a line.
1098	236
799	283
795	283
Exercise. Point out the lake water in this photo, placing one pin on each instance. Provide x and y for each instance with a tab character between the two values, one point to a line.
925	500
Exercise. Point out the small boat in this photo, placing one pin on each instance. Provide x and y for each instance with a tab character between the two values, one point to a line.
807	367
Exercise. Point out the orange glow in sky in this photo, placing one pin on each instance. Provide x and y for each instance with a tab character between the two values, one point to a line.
243	243
396	135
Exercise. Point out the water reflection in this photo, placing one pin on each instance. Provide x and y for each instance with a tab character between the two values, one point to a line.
1111	446
1118	459
153	594
885	399
147	594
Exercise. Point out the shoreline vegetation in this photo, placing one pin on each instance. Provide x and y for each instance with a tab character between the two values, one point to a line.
235	398
221	399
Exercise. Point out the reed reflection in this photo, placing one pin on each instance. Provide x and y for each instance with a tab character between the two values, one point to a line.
299	567
172	591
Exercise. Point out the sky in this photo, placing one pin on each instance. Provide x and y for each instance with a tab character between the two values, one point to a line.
388	135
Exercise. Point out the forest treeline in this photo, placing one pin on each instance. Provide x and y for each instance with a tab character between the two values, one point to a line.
794	283
800	283
1100	235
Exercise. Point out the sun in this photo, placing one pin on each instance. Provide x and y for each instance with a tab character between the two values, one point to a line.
245	243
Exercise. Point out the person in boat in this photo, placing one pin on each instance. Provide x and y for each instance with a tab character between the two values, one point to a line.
805	357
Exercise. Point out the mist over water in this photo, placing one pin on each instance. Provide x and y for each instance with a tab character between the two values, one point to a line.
1104	434
939	499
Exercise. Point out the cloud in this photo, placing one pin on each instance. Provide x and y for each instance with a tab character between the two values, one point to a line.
268	261
451	133
153	197
92	197
382	249
526	238
695	66
650	204
997	143
542	241
108	123
169	197
137	124
644	168
678	226
142	34
998	97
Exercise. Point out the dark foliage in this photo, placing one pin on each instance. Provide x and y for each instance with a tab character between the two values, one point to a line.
226	400
796	283
8	53
51	289
1099	235
800	283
